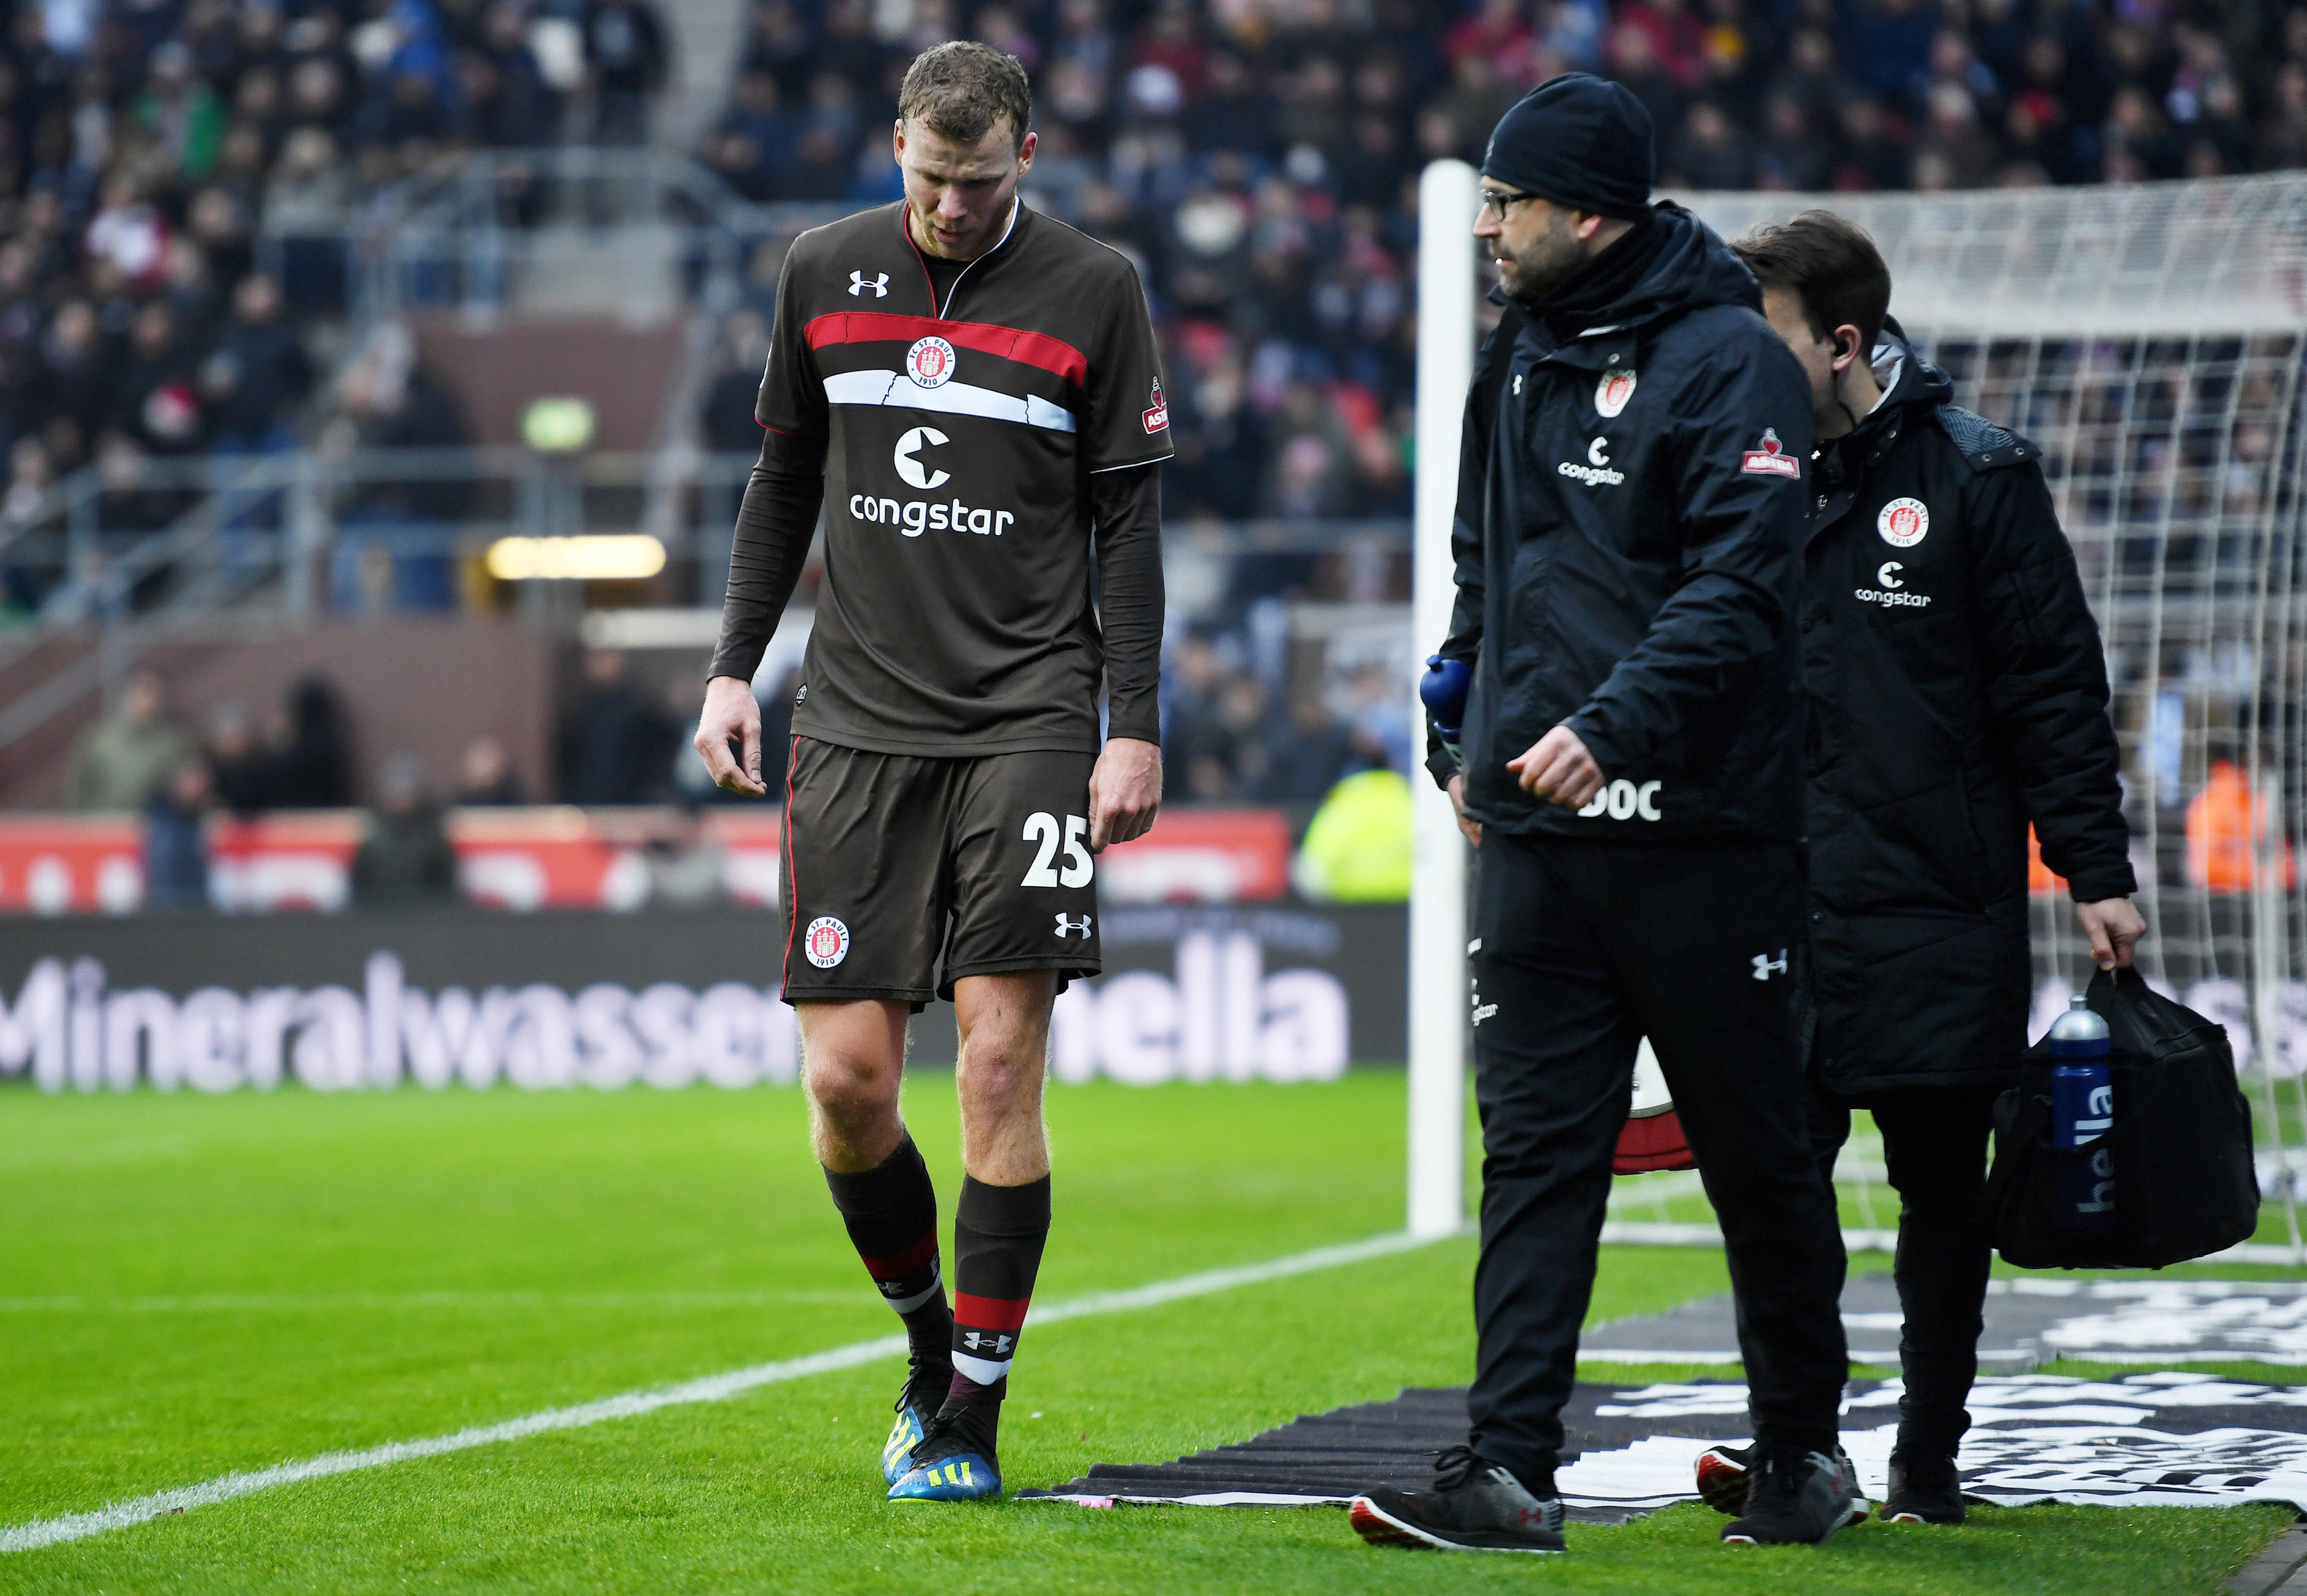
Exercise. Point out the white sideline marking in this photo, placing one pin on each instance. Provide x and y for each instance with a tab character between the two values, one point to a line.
720	1387
459	1301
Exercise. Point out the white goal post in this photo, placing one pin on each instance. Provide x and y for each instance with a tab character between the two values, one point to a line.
1447	194
2152	338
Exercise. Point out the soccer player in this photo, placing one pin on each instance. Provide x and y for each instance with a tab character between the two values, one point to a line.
1630	517
972	391
1958	693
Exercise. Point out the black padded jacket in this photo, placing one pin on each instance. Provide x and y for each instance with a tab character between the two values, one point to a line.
1956	693
1630	515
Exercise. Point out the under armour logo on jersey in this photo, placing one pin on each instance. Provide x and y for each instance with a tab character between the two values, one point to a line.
1764	964
858	284
1066	926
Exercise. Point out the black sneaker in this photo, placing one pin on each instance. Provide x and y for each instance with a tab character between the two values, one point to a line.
1474	1506
926	1385
1723	1477
1796	1497
1924	1490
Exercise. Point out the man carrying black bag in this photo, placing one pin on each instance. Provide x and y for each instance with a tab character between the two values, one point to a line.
1630	511
1956	693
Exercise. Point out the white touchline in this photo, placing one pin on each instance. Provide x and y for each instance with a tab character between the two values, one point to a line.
459	1301
720	1387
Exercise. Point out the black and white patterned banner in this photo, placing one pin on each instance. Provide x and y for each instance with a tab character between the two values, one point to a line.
2171	1438
2031	1319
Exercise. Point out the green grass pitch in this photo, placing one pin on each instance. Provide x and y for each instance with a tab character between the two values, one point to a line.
191	1285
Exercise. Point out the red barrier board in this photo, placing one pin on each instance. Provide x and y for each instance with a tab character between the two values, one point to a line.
562	858
1201	855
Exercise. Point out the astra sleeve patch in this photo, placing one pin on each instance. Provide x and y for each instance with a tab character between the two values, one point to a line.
1770	459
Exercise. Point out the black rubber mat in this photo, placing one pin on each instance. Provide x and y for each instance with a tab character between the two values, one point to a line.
1332	1457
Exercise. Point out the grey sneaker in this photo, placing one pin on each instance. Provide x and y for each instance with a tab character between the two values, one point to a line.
1796	1497
1474	1506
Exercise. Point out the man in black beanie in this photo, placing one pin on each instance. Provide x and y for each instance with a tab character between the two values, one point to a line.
1630	515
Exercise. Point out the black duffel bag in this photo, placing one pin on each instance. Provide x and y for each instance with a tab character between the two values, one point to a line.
2185	1183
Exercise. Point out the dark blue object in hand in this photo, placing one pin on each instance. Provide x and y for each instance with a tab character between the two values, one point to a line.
1442	691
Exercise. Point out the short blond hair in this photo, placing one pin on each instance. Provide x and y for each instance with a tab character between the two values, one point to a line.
961	89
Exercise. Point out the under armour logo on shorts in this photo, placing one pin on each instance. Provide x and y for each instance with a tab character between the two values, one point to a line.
1066	925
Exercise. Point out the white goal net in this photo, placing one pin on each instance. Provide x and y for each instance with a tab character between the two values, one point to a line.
2150	339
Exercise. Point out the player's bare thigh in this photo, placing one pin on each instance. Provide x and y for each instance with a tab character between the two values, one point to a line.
1004	1020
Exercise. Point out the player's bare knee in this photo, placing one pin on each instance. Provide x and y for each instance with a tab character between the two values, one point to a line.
853	1100
848	1092
853	1107
999	1085
1001	1070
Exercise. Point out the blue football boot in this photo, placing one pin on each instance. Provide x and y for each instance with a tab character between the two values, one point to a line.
917	1406
955	1462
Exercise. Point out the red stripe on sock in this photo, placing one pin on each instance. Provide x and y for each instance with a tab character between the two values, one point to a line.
904	1263
988	1313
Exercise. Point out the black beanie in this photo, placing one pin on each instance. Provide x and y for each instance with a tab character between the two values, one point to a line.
1579	140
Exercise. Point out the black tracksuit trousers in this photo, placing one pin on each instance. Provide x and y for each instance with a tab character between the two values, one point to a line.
1583	949
1934	1144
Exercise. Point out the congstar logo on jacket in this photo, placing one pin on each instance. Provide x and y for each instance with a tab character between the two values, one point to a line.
1596	472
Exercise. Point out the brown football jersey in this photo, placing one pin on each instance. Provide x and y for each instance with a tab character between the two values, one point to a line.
960	437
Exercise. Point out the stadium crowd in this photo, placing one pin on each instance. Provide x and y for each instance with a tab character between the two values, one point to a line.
1258	157
180	180
178	177
1259	161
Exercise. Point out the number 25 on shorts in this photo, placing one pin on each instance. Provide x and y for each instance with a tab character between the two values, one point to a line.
1041	826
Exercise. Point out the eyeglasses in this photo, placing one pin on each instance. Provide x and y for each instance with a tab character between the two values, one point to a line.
1498	203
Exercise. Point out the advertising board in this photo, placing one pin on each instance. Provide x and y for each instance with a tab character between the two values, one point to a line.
462	995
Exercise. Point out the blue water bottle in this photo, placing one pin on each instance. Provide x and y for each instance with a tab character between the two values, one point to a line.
1442	691
2082	1112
